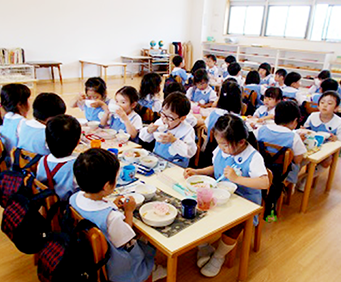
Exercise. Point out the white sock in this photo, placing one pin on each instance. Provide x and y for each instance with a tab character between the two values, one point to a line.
223	249
204	254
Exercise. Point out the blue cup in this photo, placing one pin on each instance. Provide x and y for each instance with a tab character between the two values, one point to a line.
319	139
113	150
188	208
128	173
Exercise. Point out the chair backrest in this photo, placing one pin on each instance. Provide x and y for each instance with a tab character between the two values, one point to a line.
21	159
98	243
244	108
250	95
3	165
311	107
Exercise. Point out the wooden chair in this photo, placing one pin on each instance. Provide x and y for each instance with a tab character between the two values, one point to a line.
98	243
21	159
310	107
250	95
244	109
3	165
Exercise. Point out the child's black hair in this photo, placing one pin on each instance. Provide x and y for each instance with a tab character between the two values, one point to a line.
94	168
252	78
329	84
199	64
47	105
286	112
173	87
230	59
234	68
200	75
96	84
281	72
324	75
332	94
13	95
274	92
130	93
232	128
212	57
177	60
291	78
230	97
231	79
150	84
177	103
62	135
266	67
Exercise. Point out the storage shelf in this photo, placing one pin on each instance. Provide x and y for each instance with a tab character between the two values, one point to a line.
298	70
301	61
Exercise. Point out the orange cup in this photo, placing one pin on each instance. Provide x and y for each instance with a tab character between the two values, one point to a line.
95	143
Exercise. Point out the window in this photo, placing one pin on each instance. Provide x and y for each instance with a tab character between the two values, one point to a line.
287	21
327	22
246	20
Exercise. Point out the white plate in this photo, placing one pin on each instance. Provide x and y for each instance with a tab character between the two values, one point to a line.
149	217
192	181
82	121
107	134
134	155
227	185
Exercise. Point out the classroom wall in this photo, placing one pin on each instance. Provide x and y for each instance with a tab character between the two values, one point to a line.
216	25
67	31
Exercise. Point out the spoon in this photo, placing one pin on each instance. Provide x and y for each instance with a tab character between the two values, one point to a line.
220	178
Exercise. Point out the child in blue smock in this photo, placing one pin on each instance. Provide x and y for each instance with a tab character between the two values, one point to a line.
211	66
62	136
316	87
149	92
287	114
94	99
96	171
240	163
178	70
123	117
201	93
14	109
272	97
252	83
224	68
266	77
280	78
235	71
177	141
32	132
326	85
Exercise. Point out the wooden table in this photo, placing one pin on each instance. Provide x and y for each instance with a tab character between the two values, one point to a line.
217	221
141	61
47	64
104	65
328	149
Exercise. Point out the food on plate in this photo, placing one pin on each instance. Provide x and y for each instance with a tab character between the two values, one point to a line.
161	208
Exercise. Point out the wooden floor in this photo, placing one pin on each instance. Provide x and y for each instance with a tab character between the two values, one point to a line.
298	248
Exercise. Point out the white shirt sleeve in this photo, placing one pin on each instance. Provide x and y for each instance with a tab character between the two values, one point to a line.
257	166
186	147
307	122
257	112
189	93
301	97
263	88
120	232
137	122
215	152
145	135
157	106
191	119
213	96
312	89
298	146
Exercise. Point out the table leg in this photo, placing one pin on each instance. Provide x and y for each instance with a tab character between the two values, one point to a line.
244	257
124	74
307	188
60	75
82	70
332	171
172	264
100	71
105	75
52	73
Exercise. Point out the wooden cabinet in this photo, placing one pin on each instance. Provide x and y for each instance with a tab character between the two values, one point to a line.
160	60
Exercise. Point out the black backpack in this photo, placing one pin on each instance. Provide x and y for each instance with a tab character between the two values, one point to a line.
22	222
169	80
68	256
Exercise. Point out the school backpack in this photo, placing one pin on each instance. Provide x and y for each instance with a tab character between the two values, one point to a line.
171	79
68	256
22	221
24	160
275	163
250	99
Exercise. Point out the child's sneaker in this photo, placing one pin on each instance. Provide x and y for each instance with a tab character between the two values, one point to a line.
204	254
159	272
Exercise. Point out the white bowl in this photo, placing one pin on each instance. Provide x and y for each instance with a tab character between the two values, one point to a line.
139	198
148	191
93	124
113	107
134	155
153	219
82	121
122	137
88	102
149	161
157	135
221	196
107	134
326	135
195	181
227	185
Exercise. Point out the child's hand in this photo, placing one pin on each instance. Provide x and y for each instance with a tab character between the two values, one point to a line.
122	114
97	104
189	172
167	138
332	137
81	97
118	202
230	174
152	128
129	204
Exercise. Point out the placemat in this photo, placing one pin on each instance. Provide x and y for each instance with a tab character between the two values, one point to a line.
179	223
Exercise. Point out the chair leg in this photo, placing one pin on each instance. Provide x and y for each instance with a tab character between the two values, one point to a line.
280	204
315	181
231	257
288	198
